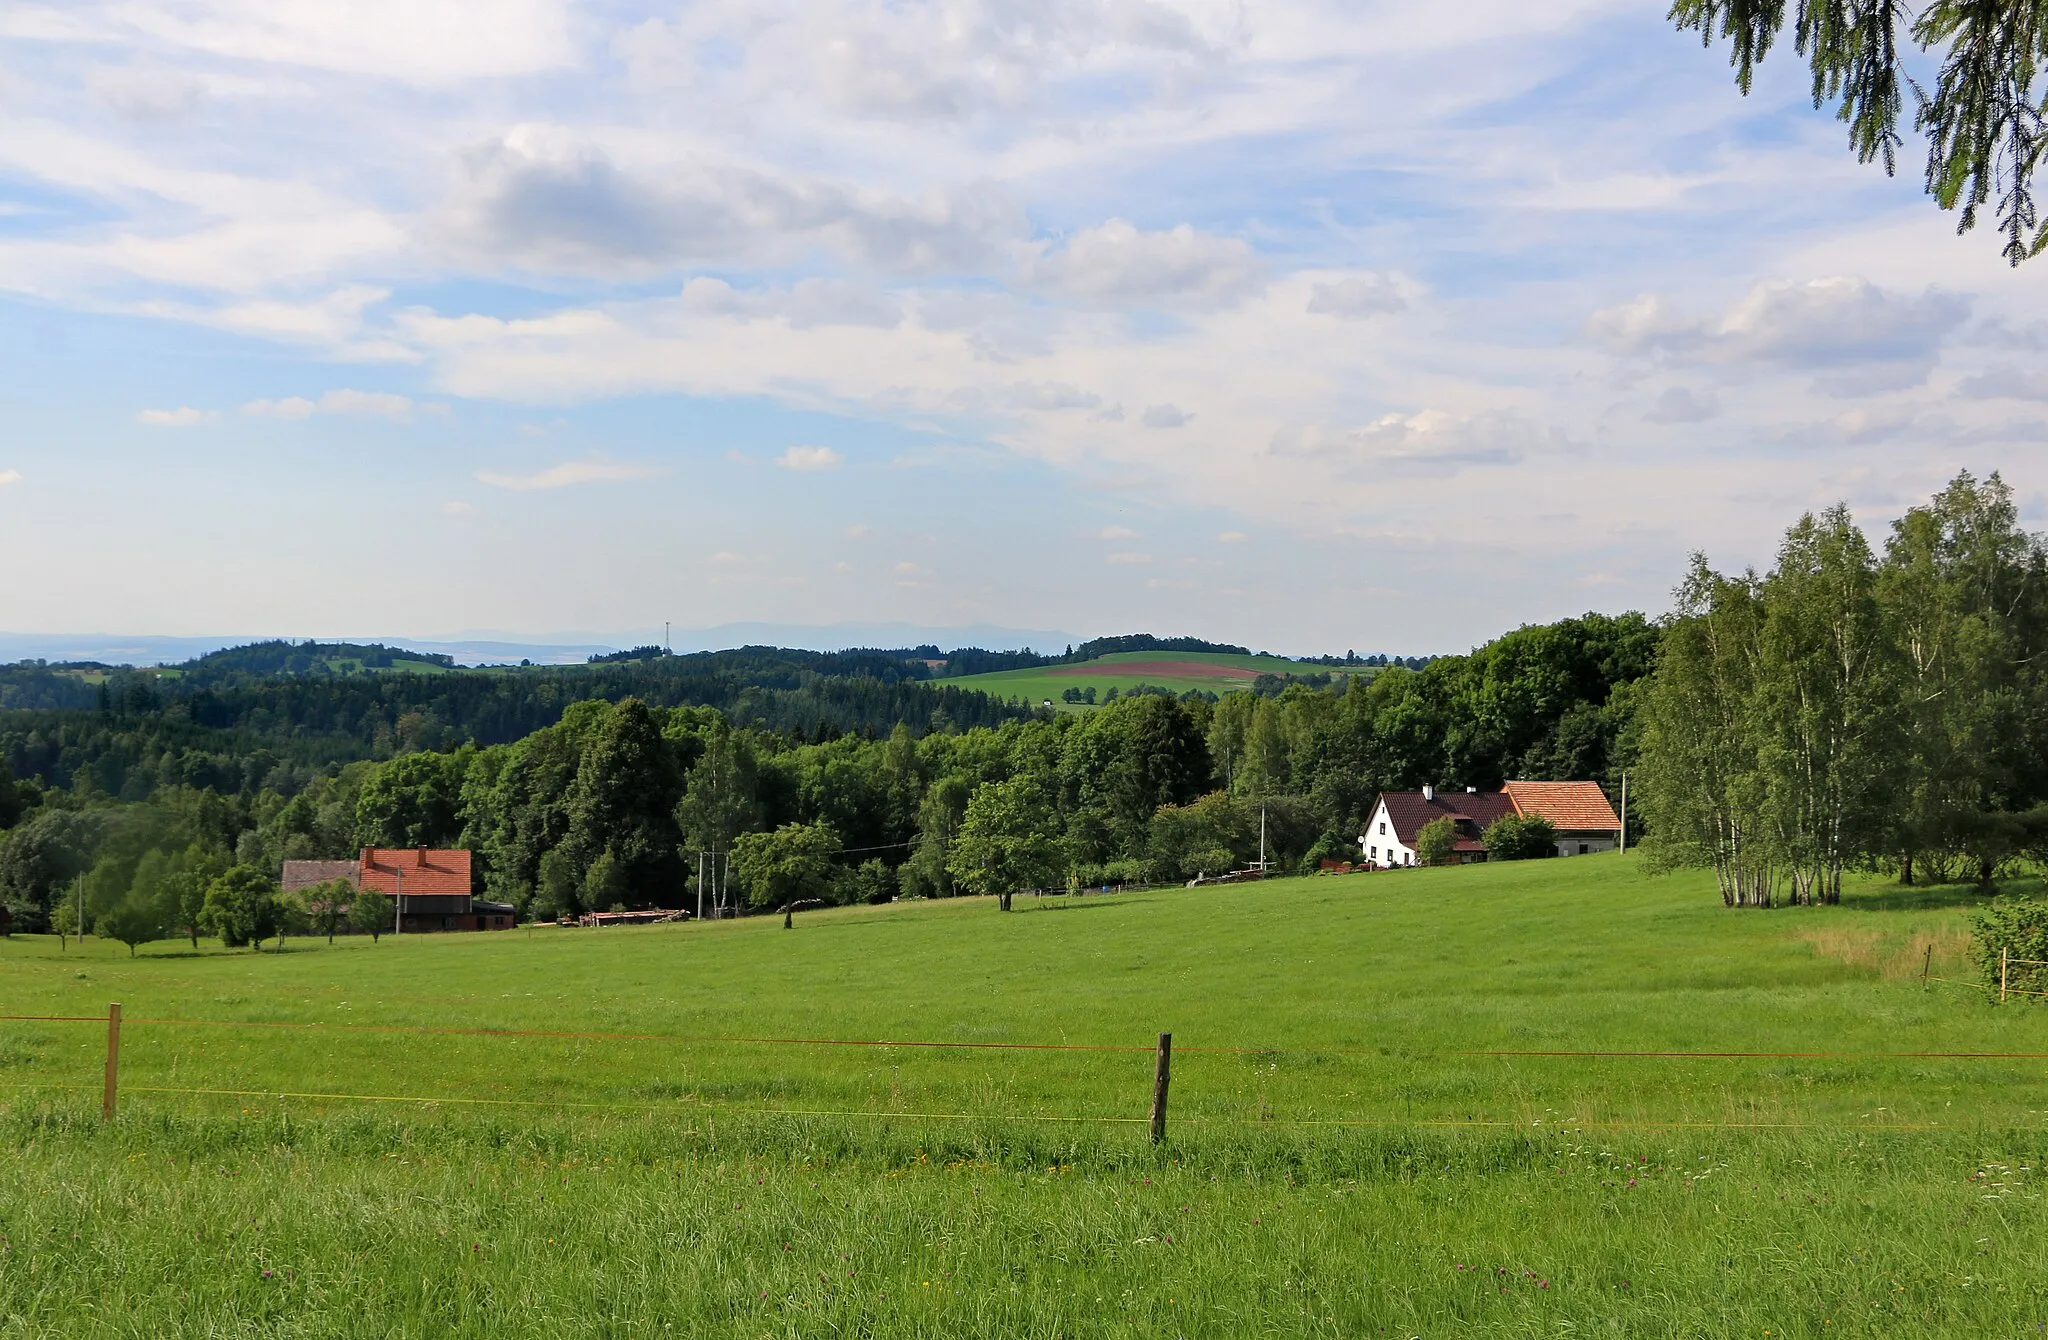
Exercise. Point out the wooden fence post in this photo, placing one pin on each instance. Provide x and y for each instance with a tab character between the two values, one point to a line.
1162	1075
2001	975
113	1062
1927	967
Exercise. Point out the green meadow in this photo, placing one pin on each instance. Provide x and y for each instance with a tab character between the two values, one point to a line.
1213	672
1372	1129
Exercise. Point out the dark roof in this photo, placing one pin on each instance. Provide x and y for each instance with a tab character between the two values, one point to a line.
305	874
1409	812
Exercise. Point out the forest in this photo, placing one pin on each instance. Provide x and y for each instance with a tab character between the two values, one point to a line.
803	776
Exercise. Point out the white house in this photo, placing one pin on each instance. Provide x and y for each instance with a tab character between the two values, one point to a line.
1579	811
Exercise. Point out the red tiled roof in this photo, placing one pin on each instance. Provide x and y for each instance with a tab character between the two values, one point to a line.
425	872
1409	812
1570	806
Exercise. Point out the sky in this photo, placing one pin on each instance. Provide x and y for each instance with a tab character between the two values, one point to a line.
1383	325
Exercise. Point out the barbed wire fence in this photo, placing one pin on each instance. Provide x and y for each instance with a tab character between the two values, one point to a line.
111	1086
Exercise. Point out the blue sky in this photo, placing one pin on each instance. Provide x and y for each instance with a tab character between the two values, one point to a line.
1381	326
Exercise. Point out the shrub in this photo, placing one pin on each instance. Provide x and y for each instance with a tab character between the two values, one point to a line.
788	865
1520	838
133	921
2019	926
241	907
1436	842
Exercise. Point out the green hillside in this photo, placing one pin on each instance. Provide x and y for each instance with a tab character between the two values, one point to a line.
1372	1126
1212	672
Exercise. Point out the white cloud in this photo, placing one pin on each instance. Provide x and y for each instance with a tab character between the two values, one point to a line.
382	403
548	198
806	303
2007	383
9	477
1127	559
1430	440
856	530
290	407
458	508
1117	265
809	458
145	92
1164	416
568	473
1231	537
1357	297
183	417
1116	533
1852	334
418	41
1678	404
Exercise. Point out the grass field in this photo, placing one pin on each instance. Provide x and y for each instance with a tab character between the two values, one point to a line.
1340	1162
1215	672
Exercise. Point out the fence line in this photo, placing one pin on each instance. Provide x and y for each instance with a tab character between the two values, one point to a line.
424	1030
1562	1125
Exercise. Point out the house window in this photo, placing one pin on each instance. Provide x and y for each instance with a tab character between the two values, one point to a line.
1583	849
1383	828
1375	853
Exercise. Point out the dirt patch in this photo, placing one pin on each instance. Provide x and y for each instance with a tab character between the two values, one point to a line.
1177	669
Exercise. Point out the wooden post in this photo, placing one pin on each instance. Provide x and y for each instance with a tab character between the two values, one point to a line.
113	1061
2001	975
1162	1075
1926	967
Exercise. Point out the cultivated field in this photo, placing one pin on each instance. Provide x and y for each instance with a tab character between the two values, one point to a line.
1345	1156
1215	672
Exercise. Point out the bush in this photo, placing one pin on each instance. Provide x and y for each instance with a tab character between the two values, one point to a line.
1519	838
871	881
2019	926
1437	842
788	865
241	907
133	921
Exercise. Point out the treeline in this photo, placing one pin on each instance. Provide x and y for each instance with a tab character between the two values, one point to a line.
612	803
137	732
1855	708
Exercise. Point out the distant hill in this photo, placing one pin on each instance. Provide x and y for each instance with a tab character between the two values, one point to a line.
1078	684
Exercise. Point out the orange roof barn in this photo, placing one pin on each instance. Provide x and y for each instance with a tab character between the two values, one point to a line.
1571	807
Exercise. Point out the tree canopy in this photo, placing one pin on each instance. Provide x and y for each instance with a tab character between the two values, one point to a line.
1983	120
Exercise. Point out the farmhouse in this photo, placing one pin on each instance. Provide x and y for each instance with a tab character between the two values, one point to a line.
1579	811
431	887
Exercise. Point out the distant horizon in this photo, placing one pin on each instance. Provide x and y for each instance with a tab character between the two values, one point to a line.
499	647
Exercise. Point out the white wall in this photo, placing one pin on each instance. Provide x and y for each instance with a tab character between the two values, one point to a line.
1379	845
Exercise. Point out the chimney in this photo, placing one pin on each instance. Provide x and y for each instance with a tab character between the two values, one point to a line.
1428	791
423	858
1471	790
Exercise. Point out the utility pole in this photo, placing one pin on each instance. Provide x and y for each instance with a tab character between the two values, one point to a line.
700	886
1262	840
398	900
1624	811
78	888
667	644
